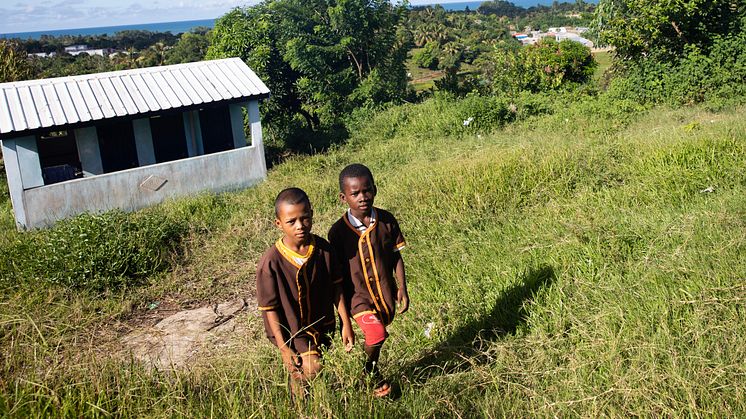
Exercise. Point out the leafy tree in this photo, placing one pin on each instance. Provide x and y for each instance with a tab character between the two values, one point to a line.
501	8
191	47
320	58
427	57
14	64
665	28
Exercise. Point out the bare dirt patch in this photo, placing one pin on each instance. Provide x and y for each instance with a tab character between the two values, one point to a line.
182	336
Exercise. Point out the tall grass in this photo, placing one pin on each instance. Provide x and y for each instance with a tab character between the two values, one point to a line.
580	263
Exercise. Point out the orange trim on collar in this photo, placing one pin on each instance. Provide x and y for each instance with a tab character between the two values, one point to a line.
289	254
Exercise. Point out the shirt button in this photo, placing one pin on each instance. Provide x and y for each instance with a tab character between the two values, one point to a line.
367	259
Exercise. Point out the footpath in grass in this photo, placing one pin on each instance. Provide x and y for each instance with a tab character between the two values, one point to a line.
582	263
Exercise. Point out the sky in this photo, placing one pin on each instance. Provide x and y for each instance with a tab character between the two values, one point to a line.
37	15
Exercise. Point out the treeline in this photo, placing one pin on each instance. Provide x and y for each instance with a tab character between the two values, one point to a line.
122	40
126	50
540	17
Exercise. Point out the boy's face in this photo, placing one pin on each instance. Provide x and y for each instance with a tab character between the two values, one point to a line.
358	193
295	221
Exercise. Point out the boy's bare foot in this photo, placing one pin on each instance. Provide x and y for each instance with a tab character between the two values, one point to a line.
382	390
381	387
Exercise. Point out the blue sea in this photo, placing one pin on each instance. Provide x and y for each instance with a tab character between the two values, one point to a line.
185	26
173	27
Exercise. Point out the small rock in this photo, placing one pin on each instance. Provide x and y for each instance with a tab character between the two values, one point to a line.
428	329
709	189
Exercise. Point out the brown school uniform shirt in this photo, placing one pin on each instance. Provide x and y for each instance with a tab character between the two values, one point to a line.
368	259
302	294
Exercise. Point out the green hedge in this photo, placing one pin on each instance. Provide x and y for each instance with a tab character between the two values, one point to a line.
94	251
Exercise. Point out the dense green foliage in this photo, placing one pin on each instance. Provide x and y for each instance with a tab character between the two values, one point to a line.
666	29
13	63
547	65
676	53
450	39
123	40
321	59
94	252
540	17
191	46
129	49
716	77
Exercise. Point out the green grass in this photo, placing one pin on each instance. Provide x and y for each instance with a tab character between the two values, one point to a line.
570	265
604	59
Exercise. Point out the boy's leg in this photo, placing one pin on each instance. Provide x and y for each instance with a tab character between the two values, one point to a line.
375	335
309	350
311	365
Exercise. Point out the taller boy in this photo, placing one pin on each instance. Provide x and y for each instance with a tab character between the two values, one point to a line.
368	240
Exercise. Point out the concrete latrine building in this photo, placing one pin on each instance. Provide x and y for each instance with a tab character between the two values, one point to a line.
129	139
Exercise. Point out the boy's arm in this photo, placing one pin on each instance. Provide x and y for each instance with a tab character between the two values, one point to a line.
402	296
289	357
338	278
348	336
268	300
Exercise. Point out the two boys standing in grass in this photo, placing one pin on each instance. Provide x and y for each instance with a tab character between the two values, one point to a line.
302	277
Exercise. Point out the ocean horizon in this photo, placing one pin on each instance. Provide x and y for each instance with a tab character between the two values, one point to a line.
187	25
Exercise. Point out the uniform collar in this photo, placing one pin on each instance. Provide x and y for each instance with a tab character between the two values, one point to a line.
293	257
357	224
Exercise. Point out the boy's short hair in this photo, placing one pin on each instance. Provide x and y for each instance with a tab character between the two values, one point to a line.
354	170
292	196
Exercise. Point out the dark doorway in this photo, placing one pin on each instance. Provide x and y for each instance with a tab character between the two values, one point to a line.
169	140
217	134
116	141
58	156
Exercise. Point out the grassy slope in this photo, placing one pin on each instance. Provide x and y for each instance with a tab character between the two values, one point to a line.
570	266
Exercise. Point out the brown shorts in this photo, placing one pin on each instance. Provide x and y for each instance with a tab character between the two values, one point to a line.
307	343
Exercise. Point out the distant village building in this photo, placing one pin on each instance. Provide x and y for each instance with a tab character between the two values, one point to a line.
575	38
561	29
129	139
80	49
42	54
75	48
559	34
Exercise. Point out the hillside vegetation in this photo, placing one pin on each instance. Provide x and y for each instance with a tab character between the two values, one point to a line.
583	260
576	240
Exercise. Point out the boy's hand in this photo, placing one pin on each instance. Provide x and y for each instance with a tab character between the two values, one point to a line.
291	359
402	300
348	337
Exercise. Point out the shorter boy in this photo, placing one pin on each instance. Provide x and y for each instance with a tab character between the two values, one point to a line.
298	282
368	241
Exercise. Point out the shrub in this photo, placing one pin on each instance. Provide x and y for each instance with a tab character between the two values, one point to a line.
546	66
94	251
693	78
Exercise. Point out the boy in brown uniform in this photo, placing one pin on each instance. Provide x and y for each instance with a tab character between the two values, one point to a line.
368	240
298	282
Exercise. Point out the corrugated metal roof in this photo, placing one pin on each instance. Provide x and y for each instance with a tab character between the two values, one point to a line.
33	104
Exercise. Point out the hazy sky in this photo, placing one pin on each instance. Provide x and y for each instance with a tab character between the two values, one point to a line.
36	15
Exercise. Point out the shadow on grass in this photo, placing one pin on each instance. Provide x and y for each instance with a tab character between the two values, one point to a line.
465	347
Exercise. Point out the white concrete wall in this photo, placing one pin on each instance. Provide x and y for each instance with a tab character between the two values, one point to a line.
227	170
